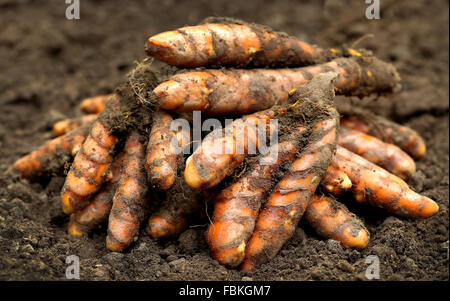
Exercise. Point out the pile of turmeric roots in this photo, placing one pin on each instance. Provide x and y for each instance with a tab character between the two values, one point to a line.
127	152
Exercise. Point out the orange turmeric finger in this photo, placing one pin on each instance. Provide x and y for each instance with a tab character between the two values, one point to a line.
42	161
232	42
350	156
331	219
236	207
390	132
223	150
386	155
94	105
162	157
130	199
243	91
97	211
288	201
64	126
381	190
335	181
91	166
181	205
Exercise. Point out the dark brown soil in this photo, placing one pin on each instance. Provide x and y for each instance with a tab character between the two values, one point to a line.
48	64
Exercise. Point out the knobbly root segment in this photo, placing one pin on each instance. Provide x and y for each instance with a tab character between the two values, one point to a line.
386	155
223	150
382	189
288	201
162	155
91	166
131	198
243	91
331	219
98	209
43	161
231	42
236	207
390	132
335	181
95	105
180	207
67	125
348	155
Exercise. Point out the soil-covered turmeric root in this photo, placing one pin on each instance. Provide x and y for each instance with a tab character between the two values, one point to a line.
288	201
67	125
96	104
51	155
236	207
98	209
382	189
335	181
91	166
348	155
224	41
385	155
181	205
130	200
290	197
162	155
390	132
223	150
331	219
243	91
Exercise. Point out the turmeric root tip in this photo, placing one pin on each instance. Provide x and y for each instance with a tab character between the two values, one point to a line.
36	164
332	219
67	125
386	155
94	214
382	189
335	181
95	105
176	212
97	211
